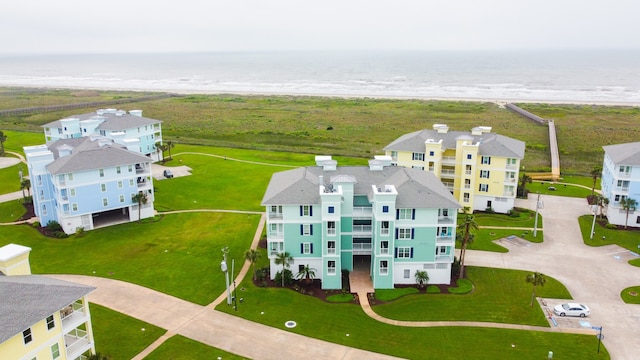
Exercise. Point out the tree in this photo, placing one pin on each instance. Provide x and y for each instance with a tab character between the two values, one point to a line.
3	138
524	180
283	259
536	279
162	148
596	172
25	184
422	278
465	236
170	145
141	199
252	256
628	204
601	202
307	273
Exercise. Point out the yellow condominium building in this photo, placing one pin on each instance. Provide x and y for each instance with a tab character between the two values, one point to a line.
480	168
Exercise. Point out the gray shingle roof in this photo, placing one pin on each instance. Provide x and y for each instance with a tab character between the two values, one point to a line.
416	188
112	121
491	144
89	153
27	299
624	154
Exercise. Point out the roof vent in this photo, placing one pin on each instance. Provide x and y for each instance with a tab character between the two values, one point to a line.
136	112
479	130
441	128
326	162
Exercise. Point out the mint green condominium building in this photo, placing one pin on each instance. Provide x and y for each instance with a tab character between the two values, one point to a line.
386	220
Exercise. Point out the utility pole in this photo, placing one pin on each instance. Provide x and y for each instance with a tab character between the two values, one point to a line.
593	225
538	207
225	270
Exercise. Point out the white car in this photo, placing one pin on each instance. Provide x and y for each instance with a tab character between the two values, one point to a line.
571	309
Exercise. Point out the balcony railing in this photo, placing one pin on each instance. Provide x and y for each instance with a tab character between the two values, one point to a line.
275	215
508	193
444	258
446	220
384	251
448	173
331	251
276	235
361	248
510	180
624	175
445	240
76	343
467	186
467	172
331	232
362	211
622	188
362	229
449	160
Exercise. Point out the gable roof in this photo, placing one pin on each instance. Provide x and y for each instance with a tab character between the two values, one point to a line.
27	299
88	153
113	120
416	188
491	144
624	154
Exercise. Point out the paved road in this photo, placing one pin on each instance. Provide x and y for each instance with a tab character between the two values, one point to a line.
593	275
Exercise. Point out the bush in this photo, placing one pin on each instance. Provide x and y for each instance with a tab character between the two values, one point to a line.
611	226
288	277
54	226
80	231
432	289
464	287
36	224
60	235
514	213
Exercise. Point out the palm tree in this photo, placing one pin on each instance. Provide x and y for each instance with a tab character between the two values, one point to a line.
524	180
422	278
596	172
601	202
283	259
535	279
170	145
3	138
307	273
25	184
628	204
252	256
465	236
141	199
162	148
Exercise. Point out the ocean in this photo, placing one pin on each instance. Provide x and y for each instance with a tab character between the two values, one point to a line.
598	77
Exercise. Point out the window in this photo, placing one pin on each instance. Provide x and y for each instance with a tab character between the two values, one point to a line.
486	160
105	202
418	156
616	198
418	167
467	170
72	192
385	208
405	214
130	182
441	250
101	171
638	220
444	212
331	228
55	351
306	229
40	179
306	248
404	233
118	170
51	323
511	161
306	210
432	153
331	247
331	267
26	336
276	209
120	184
44	209
74	207
404	252
103	187
483	187
469	156
465	197
384	267
384	247
384	228
484	174
70	176
121	198
130	168
407	273
331	210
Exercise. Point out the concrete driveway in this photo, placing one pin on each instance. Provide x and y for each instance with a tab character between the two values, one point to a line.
595	276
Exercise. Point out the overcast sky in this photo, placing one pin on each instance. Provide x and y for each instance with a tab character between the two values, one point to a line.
124	26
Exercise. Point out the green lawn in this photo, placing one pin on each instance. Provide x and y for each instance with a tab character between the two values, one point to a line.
545	188
526	219
179	255
181	348
580	180
628	239
347	324
9	177
119	336
499	295
485	237
631	295
11	211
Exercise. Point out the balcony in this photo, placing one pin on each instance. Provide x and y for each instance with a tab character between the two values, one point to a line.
509	180
446	219
509	193
331	251
362	212
445	240
361	248
623	189
361	230
448	160
444	258
275	215
72	316
276	248
448	185
449	174
384	251
623	175
276	235
76	343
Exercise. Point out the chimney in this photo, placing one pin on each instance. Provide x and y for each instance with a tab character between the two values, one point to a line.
441	128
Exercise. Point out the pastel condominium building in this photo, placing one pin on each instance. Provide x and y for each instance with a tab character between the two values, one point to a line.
388	221
42	318
86	176
480	168
621	180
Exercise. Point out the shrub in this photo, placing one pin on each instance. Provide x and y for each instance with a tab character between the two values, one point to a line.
611	226
80	231
36	224
514	213
489	210
464	287
54	226
60	235
432	289
288	277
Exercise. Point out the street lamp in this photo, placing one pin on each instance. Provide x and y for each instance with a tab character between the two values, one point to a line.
225	270
539	205
593	225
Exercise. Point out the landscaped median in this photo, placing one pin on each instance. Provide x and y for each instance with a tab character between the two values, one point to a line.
495	226
626	238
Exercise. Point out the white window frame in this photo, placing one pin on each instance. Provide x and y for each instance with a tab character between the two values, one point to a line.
404	252
105	202
331	247
485	160
55	351
483	188
331	228
466	197
384	250
103	187
51	322
385	227
101	172
121	198
404	233
27	336
70	176
306	229
417	156
120	184
484	174
72	192
384	267
306	248
306	210
407	273
405	214
74	206
118	170
331	267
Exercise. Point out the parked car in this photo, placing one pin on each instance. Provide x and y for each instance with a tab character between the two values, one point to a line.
571	309
168	174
